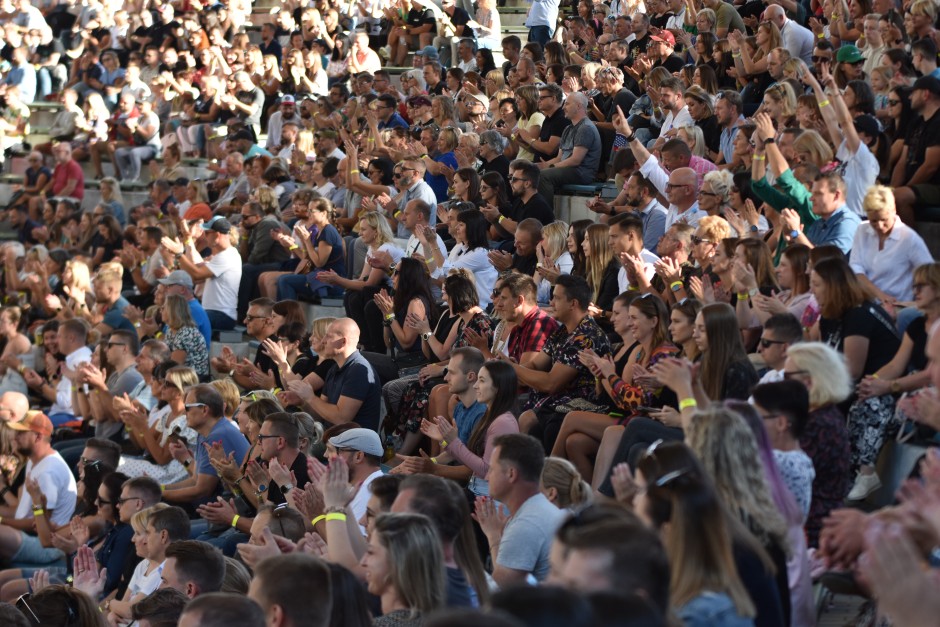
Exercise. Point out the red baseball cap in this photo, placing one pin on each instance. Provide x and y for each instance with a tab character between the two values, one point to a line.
666	37
199	211
34	421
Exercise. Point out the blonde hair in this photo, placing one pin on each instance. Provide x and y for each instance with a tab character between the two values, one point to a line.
115	187
879	198
813	143
498	79
725	444
380	223
320	325
783	94
715	228
886	73
180	378
924	7
831	381
722	182
694	133
561	474
109	272
178	314
414	558
555	238
230	395
141	519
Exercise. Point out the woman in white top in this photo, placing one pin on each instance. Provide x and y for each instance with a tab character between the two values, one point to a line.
158	462
554	259
470	231
530	120
147	575
486	25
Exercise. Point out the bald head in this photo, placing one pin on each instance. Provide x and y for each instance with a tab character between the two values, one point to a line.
775	14
342	338
682	188
684	176
13	406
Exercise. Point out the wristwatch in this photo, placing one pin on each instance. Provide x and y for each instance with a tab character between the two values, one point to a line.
770	141
794	234
754	228
287	487
426	336
262	488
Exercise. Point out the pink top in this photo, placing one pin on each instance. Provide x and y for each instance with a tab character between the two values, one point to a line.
64	173
503	424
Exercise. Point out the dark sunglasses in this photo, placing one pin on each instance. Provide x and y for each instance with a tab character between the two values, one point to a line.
818	59
894	103
768	343
700	240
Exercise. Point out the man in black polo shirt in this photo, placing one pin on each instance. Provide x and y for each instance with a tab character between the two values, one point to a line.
662	52
641	25
352	392
523	258
546	146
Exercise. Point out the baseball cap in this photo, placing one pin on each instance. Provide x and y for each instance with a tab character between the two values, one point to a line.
219	225
199	211
288	99
930	83
481	98
419	101
181	181
429	52
365	440
242	134
849	54
177	277
38	422
666	37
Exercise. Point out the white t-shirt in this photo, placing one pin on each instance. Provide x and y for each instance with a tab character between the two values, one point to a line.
861	172
361	501
142	582
221	293
58	486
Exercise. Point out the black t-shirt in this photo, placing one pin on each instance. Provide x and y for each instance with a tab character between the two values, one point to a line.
712	132
500	165
673	63
460	18
917	331
525	265
660	21
552	127
920	136
870	321
537	208
264	363
420	17
299	468
44	51
623	99
638	47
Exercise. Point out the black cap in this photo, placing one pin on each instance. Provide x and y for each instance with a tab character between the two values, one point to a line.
242	134
930	83
219	225
181	181
868	124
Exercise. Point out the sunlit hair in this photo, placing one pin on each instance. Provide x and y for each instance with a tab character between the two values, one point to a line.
554	238
826	367
380	223
415	561
725	444
879	199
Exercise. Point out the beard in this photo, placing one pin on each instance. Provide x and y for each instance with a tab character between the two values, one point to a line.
25	451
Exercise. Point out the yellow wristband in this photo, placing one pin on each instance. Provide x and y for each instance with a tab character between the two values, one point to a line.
433	460
162	487
314	522
759	157
396	214
443	443
390	317
429	260
335	516
821	36
500	220
632	288
235	520
675	285
686	403
824	103
354	171
743	295
293	247
38	511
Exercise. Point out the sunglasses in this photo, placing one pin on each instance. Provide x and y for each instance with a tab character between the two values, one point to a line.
189	406
22	604
768	343
700	240
894	103
818	59
793	374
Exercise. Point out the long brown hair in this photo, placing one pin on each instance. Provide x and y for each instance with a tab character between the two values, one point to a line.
760	258
798	256
843	289
725	347
506	385
652	306
698	539
596	264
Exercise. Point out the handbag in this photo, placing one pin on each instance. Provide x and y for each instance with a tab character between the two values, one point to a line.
580	404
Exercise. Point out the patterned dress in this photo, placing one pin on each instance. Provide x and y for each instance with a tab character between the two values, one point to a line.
826	440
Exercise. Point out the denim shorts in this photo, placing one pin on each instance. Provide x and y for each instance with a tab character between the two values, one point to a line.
33	553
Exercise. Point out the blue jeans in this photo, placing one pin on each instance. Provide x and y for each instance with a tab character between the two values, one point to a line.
220	321
541	34
292	286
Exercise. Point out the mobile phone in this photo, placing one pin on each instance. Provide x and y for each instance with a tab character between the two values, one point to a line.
642	409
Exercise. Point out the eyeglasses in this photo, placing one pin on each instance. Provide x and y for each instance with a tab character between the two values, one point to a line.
894	103
919	286
793	374
818	59
768	343
102	501
130	498
110	344
94	463
262	438
189	406
513	179
250	317
674	186
22	604
700	240
704	193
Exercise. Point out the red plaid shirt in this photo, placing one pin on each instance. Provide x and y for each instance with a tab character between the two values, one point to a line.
531	335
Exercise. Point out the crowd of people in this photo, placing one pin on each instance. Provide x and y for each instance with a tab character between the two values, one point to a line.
688	407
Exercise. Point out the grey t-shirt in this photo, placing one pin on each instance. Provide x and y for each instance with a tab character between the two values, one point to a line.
528	536
584	134
119	383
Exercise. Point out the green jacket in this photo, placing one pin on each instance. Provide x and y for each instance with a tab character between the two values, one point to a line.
789	193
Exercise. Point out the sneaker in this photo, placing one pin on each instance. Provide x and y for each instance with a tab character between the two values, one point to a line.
385	52
864	485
